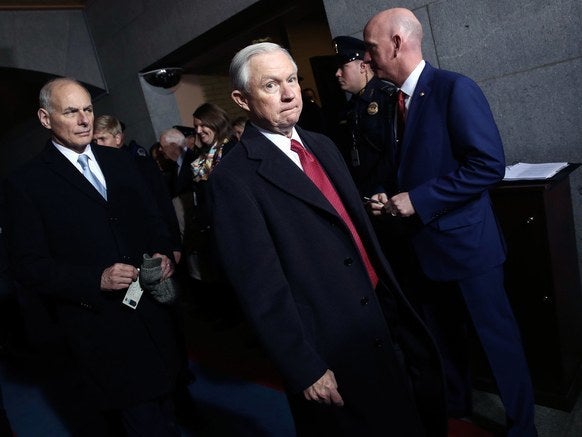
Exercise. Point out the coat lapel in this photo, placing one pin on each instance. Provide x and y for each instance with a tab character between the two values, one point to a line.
421	93
60	165
334	165
280	171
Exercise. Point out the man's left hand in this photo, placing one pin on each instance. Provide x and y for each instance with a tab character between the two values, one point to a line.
167	265
401	206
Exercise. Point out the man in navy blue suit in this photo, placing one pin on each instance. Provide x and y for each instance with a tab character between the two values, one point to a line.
449	154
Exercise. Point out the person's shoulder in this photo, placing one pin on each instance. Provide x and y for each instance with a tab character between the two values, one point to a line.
109	152
377	84
233	152
448	75
137	150
311	136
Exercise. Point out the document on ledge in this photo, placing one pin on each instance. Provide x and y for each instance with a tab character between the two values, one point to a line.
525	171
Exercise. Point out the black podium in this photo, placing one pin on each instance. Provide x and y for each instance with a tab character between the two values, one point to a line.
543	283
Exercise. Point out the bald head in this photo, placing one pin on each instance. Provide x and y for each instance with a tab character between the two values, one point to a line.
394	41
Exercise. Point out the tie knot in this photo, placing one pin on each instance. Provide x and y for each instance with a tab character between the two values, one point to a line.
83	160
296	146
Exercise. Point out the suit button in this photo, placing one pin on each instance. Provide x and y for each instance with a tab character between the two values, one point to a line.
378	343
364	301
348	261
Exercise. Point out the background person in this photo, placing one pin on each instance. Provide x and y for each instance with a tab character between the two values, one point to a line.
107	131
238	126
368	117
450	154
215	135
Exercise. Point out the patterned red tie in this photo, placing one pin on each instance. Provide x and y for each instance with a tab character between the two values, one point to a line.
315	172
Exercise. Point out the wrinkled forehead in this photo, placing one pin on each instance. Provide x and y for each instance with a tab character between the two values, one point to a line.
270	65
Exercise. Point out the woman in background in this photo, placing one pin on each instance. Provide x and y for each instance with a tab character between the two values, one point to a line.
213	131
213	134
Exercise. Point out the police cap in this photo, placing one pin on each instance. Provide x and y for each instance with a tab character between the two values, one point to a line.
348	49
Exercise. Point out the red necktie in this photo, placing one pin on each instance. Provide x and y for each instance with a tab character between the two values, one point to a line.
400	114
315	172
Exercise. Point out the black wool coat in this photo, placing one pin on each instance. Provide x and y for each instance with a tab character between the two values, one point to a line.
304	288
61	235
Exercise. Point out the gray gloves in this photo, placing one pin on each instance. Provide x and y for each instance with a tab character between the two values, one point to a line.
150	279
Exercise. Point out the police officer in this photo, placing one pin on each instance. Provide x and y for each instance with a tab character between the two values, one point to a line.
368	117
371	147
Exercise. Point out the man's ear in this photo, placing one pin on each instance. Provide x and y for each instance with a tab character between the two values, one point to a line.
118	139
44	118
397	43
240	99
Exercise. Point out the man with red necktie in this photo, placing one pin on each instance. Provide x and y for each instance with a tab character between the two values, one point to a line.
301	254
449	156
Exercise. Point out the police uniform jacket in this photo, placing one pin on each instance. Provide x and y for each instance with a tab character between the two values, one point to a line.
370	121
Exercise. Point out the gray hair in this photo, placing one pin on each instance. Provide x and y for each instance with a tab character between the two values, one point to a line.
44	97
239	66
173	135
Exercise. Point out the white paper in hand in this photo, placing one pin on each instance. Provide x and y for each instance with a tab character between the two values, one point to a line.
133	294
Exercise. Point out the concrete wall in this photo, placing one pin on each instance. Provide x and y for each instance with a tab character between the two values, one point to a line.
55	42
132	34
525	54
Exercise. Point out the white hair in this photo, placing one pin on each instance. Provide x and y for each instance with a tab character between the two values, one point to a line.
239	66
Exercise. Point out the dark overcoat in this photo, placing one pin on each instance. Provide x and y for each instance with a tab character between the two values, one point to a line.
61	236
304	287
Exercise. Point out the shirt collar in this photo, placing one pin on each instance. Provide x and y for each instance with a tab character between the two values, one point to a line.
409	84
279	140
71	155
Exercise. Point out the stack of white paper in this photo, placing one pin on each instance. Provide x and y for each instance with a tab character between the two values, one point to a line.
525	171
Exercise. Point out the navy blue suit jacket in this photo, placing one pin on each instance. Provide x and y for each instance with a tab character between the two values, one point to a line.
451	155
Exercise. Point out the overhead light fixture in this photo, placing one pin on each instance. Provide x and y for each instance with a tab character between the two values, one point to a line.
163	77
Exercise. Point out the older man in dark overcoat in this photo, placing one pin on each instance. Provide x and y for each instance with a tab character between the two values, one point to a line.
308	270
76	234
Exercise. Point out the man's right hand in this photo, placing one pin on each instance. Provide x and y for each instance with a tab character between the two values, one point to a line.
324	390
378	206
118	277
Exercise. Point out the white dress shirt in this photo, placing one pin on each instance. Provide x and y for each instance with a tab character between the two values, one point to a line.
72	156
284	143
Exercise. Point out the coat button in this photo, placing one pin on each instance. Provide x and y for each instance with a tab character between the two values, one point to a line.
348	261
378	343
364	301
